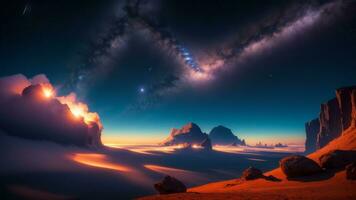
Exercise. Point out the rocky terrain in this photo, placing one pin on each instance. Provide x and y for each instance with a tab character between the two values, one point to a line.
191	134
221	135
188	134
331	168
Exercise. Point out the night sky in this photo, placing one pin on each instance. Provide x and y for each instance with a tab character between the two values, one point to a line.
261	68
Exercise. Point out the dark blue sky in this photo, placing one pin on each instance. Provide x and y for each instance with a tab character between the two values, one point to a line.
268	97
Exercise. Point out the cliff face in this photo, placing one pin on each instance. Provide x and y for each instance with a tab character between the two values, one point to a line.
188	134
336	116
312	129
330	123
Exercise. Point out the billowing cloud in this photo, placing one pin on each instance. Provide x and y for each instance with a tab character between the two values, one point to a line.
29	108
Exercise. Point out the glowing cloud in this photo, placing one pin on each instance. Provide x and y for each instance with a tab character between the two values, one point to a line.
80	109
98	160
29	108
48	90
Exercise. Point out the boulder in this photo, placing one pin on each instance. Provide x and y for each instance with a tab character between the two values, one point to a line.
351	171
221	135
252	173
297	166
189	134
337	159
170	185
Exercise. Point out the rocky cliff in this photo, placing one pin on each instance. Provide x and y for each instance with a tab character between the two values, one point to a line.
221	135
312	129
188	134
336	115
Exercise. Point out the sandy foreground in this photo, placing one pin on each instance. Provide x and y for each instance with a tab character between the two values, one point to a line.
328	185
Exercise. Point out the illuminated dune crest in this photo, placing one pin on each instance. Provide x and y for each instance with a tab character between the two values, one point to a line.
98	160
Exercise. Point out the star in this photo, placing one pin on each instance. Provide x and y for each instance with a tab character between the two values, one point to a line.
142	89
27	9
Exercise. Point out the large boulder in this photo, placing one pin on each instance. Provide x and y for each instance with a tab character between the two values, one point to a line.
189	134
252	173
221	135
297	166
170	185
337	159
351	171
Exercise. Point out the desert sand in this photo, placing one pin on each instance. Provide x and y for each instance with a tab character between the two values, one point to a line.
328	185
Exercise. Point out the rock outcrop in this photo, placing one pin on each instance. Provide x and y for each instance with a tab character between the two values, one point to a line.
337	159
252	173
330	123
280	145
351	171
312	129
336	115
221	135
298	166
170	185
189	134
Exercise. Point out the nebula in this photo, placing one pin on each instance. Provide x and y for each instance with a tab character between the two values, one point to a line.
268	35
139	17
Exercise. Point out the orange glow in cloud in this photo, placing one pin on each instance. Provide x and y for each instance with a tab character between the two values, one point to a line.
80	109
48	90
98	160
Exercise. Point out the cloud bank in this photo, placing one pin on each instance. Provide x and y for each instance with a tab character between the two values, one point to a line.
29	108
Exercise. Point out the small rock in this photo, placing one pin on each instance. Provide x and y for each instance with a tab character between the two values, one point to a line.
337	159
252	173
272	178
351	171
297	166
170	185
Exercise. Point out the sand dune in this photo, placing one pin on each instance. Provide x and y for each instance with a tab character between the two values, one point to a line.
328	185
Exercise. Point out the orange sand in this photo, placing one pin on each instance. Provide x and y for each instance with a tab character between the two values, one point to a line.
324	186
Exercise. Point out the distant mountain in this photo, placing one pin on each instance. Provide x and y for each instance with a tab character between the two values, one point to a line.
188	134
221	135
336	115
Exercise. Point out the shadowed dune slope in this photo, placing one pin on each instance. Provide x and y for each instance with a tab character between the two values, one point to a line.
323	186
